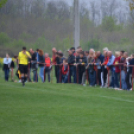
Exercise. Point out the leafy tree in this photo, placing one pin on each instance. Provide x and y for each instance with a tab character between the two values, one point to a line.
108	24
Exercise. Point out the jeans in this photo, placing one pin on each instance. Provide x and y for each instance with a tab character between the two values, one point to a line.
72	73
129	86
47	71
123	82
112	79
92	77
65	78
42	73
116	79
6	74
35	76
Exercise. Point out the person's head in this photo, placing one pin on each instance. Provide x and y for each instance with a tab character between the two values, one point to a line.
54	50
37	50
105	50
109	53
7	55
132	55
117	54
65	61
24	49
121	53
73	49
60	54
81	54
105	53
77	54
31	51
46	55
125	55
79	48
70	52
41	53
86	53
98	53
91	53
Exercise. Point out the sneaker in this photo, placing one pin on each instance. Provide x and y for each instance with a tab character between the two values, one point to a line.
19	81
84	85
131	89
116	88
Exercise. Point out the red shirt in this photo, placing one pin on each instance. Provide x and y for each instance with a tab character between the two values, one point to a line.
48	62
117	61
64	72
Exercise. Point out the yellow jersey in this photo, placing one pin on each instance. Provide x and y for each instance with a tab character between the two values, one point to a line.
23	58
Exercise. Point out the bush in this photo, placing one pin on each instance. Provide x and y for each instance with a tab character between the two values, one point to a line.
94	43
108	24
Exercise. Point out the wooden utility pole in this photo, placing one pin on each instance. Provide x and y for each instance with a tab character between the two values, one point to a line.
76	24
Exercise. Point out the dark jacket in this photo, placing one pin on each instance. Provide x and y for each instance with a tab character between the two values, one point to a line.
83	66
41	60
131	63
71	59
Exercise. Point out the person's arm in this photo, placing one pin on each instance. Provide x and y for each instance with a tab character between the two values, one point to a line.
28	55
111	62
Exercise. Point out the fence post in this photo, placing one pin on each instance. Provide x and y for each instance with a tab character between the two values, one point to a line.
120	78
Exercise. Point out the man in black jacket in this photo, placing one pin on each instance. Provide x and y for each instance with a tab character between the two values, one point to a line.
72	70
82	68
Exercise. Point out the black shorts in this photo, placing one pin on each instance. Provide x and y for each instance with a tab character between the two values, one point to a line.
23	69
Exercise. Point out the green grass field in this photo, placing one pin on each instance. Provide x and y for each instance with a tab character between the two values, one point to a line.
64	109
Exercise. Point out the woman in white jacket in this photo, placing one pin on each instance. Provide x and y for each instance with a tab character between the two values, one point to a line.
6	67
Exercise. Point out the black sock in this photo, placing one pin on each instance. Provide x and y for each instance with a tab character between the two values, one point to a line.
25	79
22	79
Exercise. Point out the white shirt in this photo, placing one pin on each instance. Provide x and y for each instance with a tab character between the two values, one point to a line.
7	60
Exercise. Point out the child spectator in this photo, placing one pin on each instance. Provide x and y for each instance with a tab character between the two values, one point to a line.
65	71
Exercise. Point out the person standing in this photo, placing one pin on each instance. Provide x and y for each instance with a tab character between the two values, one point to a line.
130	71
6	67
41	62
54	62
117	70
72	70
111	69
82	68
34	65
91	68
47	66
23	64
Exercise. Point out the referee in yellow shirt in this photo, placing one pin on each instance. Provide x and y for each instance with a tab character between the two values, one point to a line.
23	64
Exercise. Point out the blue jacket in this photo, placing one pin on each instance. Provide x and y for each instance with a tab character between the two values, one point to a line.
110	63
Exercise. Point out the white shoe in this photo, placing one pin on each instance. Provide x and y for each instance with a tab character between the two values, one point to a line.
131	89
19	81
84	85
120	89
116	88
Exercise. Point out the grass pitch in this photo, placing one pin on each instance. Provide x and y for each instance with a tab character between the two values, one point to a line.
64	109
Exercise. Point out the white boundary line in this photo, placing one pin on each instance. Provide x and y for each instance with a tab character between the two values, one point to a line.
101	96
